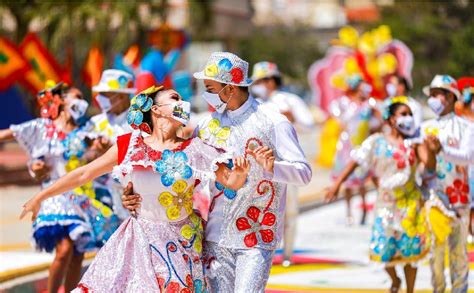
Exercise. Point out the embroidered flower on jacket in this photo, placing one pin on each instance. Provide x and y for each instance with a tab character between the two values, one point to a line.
260	223
458	192
214	134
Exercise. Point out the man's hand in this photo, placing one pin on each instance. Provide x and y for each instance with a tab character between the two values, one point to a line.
433	144
100	146
130	200
264	157
40	170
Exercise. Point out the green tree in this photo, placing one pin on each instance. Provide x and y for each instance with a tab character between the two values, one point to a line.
294	49
440	34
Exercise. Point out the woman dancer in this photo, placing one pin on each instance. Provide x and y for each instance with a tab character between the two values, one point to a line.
159	249
55	143
399	233
357	117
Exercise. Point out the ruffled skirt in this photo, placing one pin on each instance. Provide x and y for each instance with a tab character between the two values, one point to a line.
148	256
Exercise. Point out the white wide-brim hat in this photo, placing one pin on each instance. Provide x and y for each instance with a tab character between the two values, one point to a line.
443	82
265	69
226	68
115	81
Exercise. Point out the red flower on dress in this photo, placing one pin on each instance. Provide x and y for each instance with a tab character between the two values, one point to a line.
237	75
401	154
458	192
255	225
138	156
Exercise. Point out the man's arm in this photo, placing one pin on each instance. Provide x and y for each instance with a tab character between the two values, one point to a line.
292	168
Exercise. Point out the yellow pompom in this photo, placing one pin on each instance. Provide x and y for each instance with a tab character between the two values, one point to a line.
387	63
50	84
348	36
351	67
440	225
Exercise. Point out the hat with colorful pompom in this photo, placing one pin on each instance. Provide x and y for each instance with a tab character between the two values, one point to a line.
226	68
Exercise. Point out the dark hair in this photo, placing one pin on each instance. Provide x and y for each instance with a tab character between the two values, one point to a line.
405	83
392	109
147	115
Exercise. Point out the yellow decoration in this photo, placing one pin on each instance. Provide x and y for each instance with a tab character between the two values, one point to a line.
338	81
211	70
50	84
363	130
434	131
196	230
351	66
328	141
151	90
440	225
176	202
113	84
104	210
348	36
414	223
387	63
213	130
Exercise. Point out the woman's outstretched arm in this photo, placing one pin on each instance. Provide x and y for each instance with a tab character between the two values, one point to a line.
80	176
334	190
6	135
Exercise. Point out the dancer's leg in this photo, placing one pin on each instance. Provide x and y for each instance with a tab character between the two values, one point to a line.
291	217
410	277
348	196
220	267
57	270
396	281
458	258
73	275
363	192
252	270
437	268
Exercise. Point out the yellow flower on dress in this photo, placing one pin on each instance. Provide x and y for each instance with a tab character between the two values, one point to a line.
407	196
414	223
86	189
182	198
103	127
195	230
215	134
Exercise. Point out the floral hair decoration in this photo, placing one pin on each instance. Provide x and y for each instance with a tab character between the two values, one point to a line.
140	104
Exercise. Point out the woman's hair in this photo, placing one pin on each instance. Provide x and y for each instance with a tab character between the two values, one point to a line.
405	83
393	108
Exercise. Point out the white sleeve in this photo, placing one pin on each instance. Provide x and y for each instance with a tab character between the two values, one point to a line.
463	155
303	116
292	168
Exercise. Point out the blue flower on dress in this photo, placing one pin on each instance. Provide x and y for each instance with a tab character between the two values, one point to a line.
173	167
382	246
409	246
229	193
198	286
443	167
74	146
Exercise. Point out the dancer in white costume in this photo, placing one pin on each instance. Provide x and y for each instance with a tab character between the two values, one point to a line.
451	190
267	82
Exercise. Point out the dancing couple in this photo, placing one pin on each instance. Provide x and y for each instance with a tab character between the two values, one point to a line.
247	152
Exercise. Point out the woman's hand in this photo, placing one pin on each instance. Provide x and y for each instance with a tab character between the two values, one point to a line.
33	206
433	144
241	166
331	193
264	157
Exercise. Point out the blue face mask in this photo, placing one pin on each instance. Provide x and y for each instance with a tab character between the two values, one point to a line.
436	105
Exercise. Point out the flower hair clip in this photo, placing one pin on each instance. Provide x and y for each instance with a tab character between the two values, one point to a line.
391	101
140	104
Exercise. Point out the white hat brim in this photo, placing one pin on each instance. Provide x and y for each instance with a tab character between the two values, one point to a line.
201	75
102	89
427	89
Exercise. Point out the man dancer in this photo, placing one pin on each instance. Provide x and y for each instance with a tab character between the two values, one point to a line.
451	185
267	82
244	227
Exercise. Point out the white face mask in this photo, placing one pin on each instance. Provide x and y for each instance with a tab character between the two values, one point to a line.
259	91
391	89
436	105
78	108
214	100
104	103
406	125
181	111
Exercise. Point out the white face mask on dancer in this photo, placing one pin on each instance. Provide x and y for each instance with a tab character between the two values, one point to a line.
406	125
436	105
181	111
259	91
104	103
215	101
